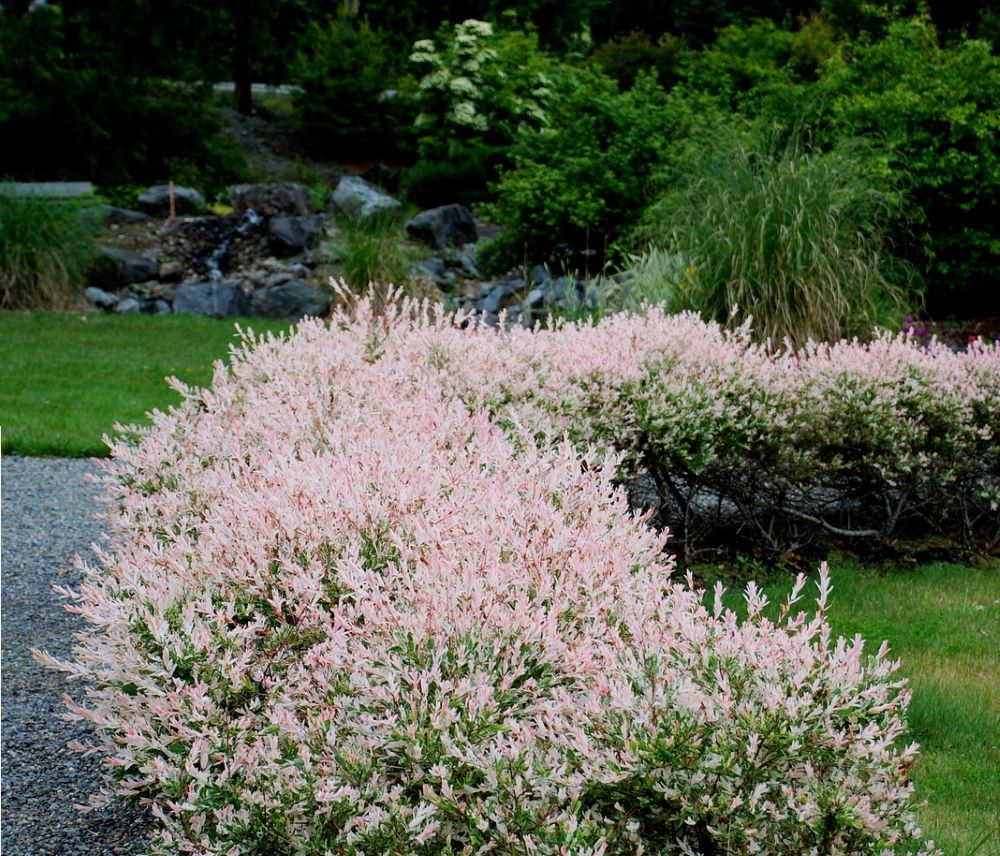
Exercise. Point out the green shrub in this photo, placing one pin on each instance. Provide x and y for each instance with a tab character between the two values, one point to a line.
776	230
462	177
579	184
345	73
938	111
46	247
624	57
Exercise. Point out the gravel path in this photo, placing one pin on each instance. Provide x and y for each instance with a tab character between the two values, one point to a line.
47	519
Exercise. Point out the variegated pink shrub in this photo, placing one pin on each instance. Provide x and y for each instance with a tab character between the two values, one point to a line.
346	611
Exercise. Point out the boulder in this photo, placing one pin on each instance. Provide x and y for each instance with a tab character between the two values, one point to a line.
115	215
356	198
288	235
444	227
217	299
171	272
290	300
270	200
493	301
155	200
129	306
433	269
467	264
100	298
115	267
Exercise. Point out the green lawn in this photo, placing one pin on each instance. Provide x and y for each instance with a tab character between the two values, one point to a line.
943	622
66	379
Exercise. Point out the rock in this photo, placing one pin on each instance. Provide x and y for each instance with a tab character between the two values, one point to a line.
443	227
279	278
171	272
114	216
287	235
467	264
433	269
218	299
539	274
271	200
291	300
383	176
101	298
493	301
129	306
154	307
142	290
356	198
155	200
114	268
163	291
535	298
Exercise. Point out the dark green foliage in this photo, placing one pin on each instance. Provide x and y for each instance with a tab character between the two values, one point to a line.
70	110
580	183
624	57
462	177
346	70
938	112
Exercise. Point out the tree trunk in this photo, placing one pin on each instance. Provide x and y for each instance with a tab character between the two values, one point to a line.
242	75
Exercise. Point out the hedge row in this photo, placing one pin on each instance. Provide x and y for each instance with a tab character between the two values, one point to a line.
344	612
750	448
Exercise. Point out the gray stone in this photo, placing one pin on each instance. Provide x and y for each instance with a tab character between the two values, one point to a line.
291	301
115	267
493	301
101	298
435	270
217	299
288	235
161	307
270	200
155	200
163	291
171	271
114	216
279	278
443	227
357	199
535	298
129	306
142	290
539	274
468	266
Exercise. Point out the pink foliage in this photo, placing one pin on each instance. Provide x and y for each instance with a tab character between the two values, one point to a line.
344	610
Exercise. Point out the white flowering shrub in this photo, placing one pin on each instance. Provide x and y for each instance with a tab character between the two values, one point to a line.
479	87
344	611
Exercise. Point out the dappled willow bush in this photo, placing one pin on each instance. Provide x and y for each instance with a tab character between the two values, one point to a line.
343	611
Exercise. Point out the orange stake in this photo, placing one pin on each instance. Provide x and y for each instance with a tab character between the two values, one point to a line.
170	196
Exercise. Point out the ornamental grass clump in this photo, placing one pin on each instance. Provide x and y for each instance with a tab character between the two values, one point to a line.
344	611
46	247
787	235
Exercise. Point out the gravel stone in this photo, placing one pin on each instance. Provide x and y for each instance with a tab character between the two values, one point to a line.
48	511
